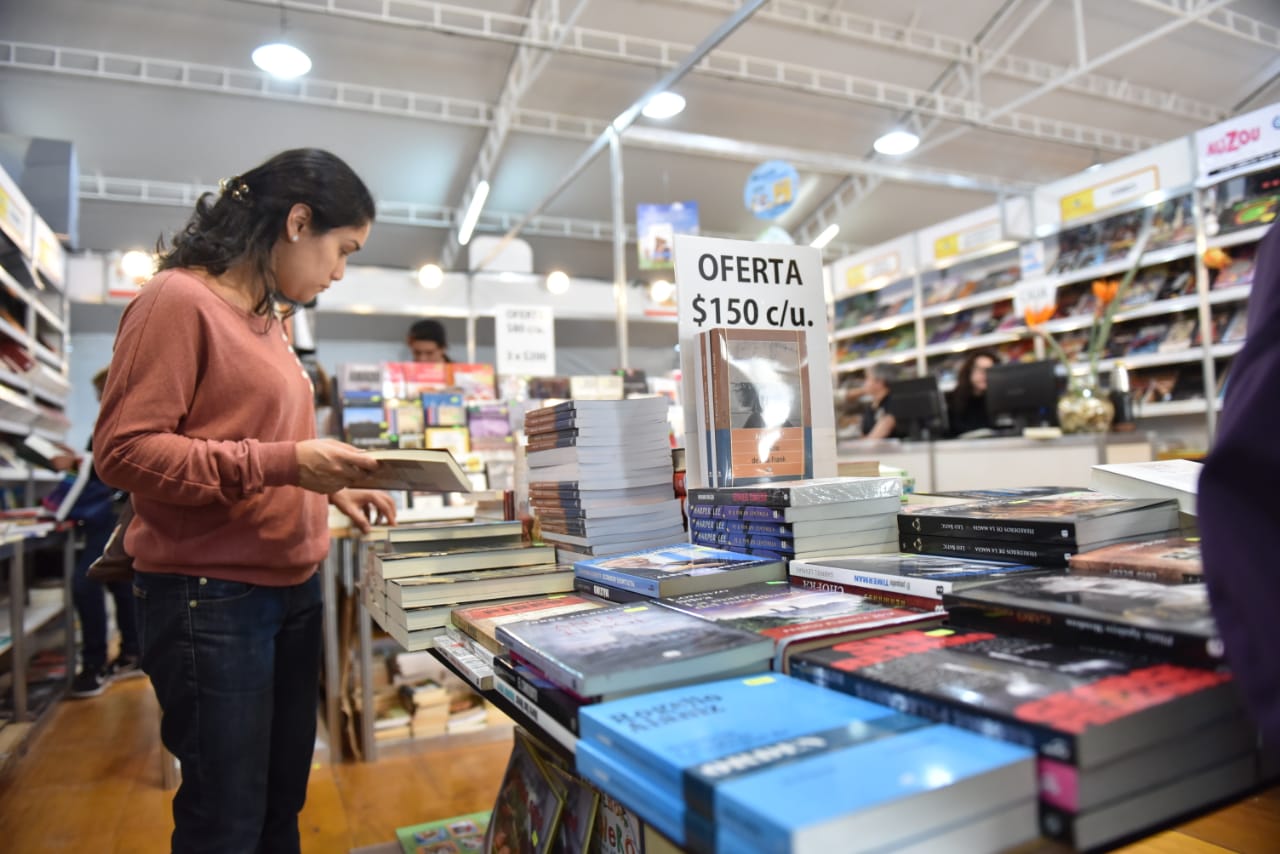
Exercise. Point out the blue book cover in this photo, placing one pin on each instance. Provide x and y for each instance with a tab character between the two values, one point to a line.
631	648
662	808
676	569
854	784
668	731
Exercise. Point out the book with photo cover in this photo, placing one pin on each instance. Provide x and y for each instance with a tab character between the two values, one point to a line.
476	381
1170	621
457	835
678	569
800	493
626	648
480	622
759	406
1167	560
797	619
1081	706
528	807
417	470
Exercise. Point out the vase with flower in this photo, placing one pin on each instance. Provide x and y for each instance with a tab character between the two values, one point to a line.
1085	407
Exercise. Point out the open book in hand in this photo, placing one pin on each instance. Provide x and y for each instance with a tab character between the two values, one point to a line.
417	470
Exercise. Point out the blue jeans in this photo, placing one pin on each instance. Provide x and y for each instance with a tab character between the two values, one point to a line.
91	602
236	668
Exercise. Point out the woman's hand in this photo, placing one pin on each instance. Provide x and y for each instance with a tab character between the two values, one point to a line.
365	507
327	465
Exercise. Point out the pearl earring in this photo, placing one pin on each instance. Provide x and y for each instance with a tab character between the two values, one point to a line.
294	238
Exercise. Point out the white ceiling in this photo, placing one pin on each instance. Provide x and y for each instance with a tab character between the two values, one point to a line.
128	129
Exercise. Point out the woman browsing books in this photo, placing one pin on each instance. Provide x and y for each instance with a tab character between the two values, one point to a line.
208	421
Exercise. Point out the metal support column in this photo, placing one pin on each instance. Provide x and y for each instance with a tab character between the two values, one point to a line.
356	552
332	650
17	630
619	246
68	611
471	318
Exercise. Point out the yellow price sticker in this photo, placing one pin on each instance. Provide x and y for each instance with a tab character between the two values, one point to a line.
635	608
940	633
946	247
755	681
1077	205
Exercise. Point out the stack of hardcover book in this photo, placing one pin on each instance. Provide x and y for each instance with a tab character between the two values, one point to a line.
769	763
1125	740
600	476
1165	560
799	519
1045	530
414	576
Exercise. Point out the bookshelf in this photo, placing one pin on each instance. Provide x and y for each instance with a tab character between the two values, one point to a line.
34	326
1180	324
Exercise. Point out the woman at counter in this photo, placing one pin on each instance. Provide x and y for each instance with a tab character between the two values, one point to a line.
967	403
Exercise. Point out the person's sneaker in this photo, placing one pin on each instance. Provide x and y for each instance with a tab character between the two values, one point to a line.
124	667
89	682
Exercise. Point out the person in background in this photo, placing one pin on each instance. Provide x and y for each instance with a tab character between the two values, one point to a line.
90	599
1236	502
877	421
967	403
208	421
427	342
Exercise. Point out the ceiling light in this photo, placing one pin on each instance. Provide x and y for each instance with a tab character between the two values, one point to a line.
663	105
896	143
558	282
281	60
473	213
430	276
660	290
828	234
138	265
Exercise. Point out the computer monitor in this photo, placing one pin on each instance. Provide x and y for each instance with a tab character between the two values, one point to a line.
1022	394
919	408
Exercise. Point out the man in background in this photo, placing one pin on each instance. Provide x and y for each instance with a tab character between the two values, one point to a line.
427	342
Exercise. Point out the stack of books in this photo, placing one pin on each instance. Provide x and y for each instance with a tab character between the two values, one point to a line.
1125	741
769	763
1164	560
903	580
1045	530
672	571
796	619
415	576
600	476
428	706
800	519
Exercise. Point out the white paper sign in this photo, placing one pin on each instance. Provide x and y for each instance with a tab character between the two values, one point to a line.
525	338
1034	296
739	284
1031	259
1241	144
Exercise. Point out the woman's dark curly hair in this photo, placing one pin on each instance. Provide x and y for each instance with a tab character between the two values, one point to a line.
243	222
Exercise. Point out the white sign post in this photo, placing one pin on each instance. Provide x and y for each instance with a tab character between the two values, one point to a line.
525	337
744	285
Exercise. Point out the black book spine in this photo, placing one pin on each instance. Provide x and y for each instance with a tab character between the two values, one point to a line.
1027	621
605	591
1037	554
559	705
759	496
1058	824
1013	530
1047	742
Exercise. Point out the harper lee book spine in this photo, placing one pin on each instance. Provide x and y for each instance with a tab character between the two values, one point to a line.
1038	554
1173	647
1013	530
1045	741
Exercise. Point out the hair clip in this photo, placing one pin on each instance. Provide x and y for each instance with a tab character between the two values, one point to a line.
236	188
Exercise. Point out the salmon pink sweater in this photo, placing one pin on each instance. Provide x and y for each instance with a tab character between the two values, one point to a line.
203	407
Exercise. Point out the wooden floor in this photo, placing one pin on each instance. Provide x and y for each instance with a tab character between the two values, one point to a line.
91	782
